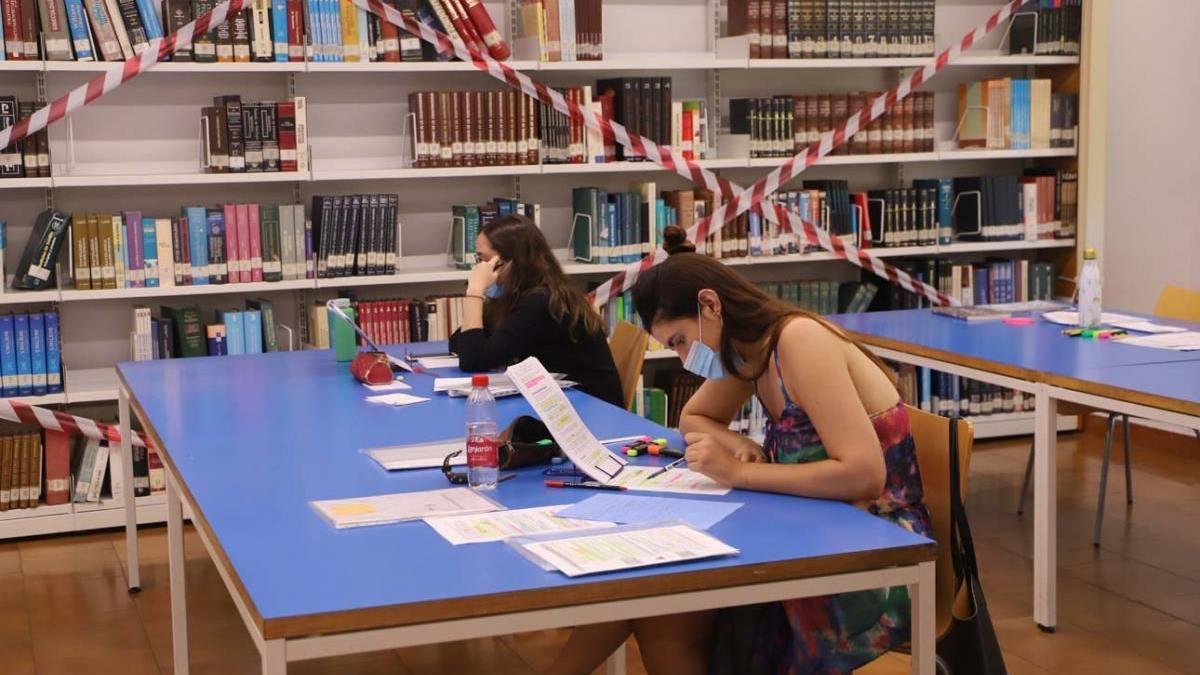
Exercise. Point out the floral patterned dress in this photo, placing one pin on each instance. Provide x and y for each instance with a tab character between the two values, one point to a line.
835	633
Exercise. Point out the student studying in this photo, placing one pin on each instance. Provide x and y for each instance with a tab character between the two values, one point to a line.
519	304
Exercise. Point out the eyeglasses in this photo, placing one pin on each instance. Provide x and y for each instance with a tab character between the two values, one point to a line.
460	478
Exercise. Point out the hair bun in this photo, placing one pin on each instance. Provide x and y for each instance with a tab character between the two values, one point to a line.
675	240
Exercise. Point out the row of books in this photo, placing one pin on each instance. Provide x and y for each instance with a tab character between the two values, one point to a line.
468	220
1041	204
1019	280
1049	27
823	296
1016	114
951	395
21	469
782	126
434	318
560	30
30	354
807	29
355	235
28	158
621	227
269	30
254	137
181	333
228	244
95	470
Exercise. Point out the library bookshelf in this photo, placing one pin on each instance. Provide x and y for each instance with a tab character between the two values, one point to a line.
139	147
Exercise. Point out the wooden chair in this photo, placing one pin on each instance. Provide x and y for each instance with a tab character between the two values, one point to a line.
931	435
628	345
1175	302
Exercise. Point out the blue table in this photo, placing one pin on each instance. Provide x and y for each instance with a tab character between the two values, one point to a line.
1038	359
249	441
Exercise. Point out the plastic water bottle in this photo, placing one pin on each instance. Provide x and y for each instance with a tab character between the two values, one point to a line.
483	436
1089	291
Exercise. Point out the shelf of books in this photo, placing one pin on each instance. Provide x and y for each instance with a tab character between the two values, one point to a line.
210	215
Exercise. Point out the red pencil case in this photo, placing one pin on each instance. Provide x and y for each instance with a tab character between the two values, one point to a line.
371	368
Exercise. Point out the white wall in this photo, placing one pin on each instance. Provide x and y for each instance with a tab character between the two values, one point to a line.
1152	228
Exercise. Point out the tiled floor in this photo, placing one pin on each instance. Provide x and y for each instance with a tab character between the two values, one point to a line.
1132	606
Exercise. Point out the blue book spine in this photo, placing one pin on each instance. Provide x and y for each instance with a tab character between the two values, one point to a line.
24	362
945	204
235	333
198	244
755	226
614	229
252	321
279	29
54	381
925	394
8	355
149	16
150	252
77	25
334	9
3	56
37	353
660	220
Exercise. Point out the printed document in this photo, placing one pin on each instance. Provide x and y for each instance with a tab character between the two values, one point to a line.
500	525
627	509
402	506
624	549
556	412
672	480
420	455
1183	342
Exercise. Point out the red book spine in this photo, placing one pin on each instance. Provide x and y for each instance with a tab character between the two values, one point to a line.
285	114
243	239
185	250
459	22
233	260
14	44
58	467
389	42
295	32
486	29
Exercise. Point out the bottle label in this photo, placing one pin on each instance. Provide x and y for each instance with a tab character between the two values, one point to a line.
482	452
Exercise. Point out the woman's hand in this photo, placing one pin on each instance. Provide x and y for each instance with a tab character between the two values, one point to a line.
483	275
706	455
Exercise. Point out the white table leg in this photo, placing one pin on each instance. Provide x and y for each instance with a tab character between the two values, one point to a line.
1045	510
274	658
924	626
615	665
131	542
179	638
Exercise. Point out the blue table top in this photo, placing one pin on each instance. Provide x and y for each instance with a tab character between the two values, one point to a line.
255	439
1037	352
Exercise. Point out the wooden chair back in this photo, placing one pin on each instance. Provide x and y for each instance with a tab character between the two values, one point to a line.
1177	302
628	345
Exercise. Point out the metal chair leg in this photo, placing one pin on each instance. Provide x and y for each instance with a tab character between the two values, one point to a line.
1108	438
1025	483
1128	461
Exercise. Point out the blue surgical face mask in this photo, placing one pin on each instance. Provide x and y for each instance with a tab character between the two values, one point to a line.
702	360
494	291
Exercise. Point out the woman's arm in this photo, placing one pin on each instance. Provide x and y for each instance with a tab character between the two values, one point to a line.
713	407
817	377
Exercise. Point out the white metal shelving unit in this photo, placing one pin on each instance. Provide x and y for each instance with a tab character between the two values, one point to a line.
356	113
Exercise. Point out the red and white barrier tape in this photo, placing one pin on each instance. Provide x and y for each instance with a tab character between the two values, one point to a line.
670	158
23	413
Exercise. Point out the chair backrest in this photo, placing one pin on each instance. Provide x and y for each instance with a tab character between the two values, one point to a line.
628	345
1177	302
931	435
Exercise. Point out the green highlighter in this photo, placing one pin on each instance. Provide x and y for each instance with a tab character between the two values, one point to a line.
341	334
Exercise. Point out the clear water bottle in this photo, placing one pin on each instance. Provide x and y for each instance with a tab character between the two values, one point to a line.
1089	291
483	436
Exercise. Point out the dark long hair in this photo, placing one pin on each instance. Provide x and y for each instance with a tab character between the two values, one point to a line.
531	267
670	290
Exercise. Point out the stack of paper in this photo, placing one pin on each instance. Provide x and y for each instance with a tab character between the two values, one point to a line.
500	525
626	509
395	508
420	455
1071	318
621	548
1184	342
644	478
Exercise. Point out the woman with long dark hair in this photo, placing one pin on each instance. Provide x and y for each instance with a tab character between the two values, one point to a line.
520	304
837	429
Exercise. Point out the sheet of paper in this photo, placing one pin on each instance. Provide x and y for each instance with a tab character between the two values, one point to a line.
1148	327
396	399
626	509
434	362
479	528
394	385
673	480
1184	342
418	456
402	506
626	549
556	412
1070	317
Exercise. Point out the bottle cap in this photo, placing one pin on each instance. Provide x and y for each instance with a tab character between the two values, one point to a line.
1089	254
479	380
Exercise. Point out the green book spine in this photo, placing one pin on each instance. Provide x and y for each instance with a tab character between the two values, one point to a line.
268	220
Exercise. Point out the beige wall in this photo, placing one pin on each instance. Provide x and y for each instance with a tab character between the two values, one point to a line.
1151	232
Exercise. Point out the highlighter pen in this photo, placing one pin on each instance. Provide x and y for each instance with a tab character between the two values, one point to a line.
588	485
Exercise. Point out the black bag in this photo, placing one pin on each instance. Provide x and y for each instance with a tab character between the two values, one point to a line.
970	646
526	442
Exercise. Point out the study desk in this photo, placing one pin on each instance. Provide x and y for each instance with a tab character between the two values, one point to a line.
1037	359
248	441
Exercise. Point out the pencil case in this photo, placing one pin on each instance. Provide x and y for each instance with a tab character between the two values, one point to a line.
371	368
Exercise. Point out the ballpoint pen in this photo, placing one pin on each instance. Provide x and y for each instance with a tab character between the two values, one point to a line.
663	470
